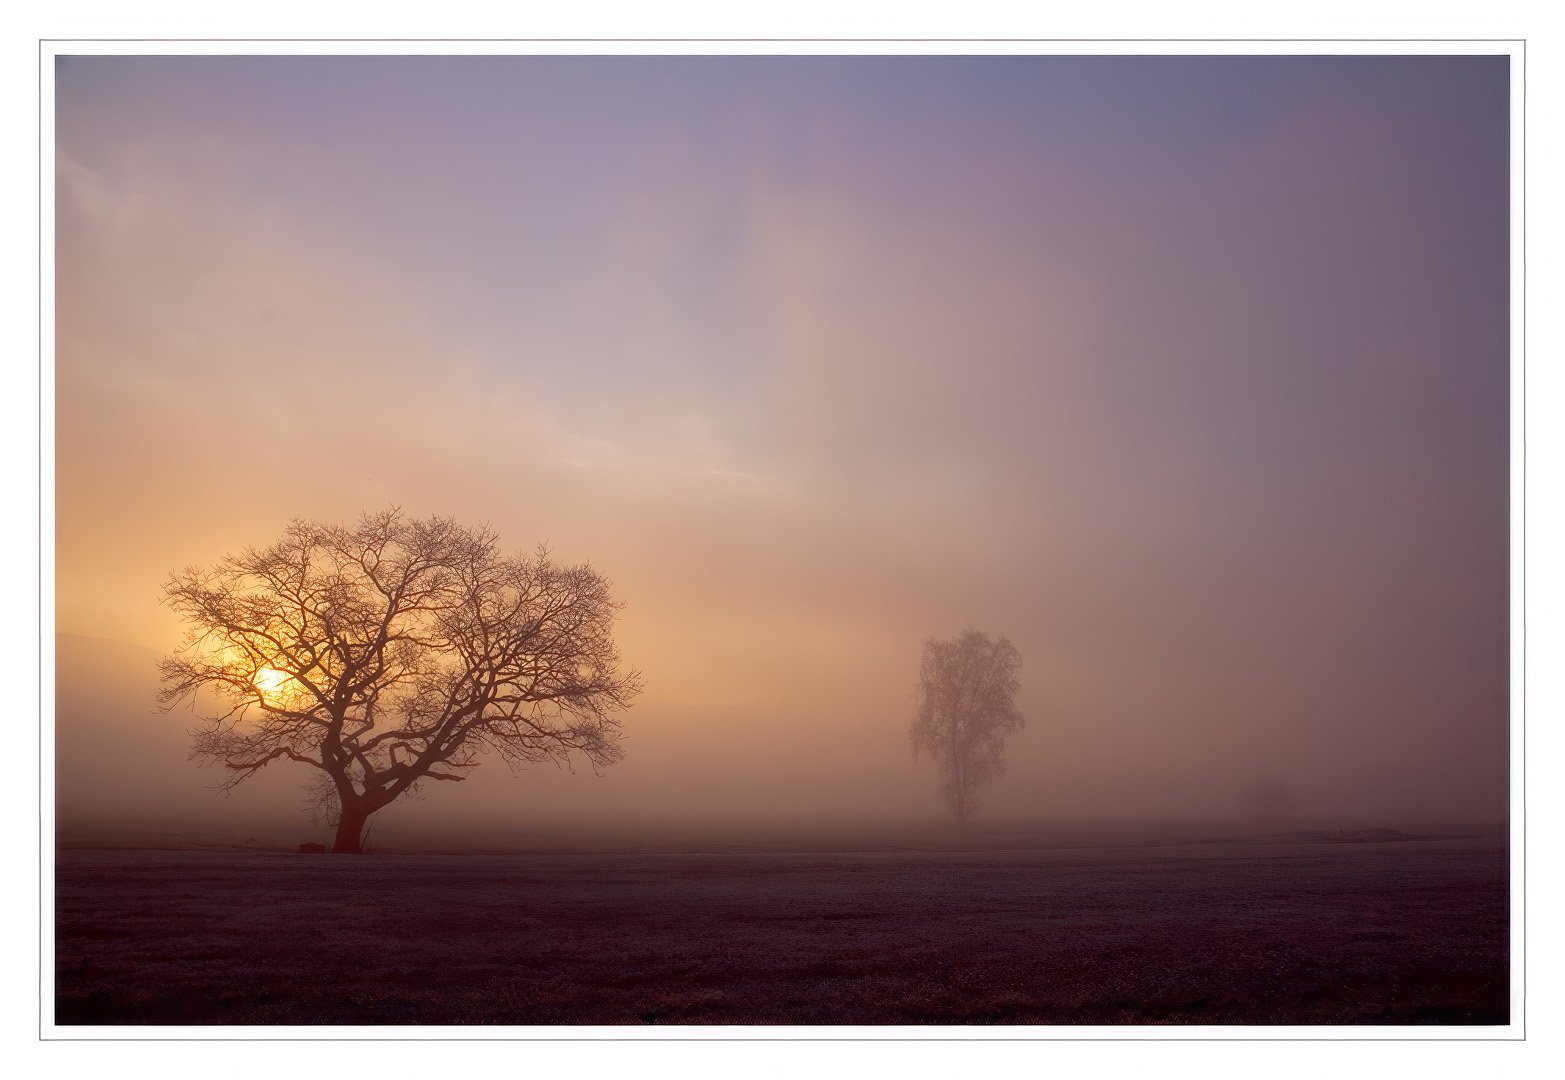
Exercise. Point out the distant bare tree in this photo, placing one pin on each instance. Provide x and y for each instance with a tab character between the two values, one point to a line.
966	710
393	652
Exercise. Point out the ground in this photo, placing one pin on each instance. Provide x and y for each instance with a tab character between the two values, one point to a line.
1281	931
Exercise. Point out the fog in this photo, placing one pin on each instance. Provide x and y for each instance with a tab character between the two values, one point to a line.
1190	376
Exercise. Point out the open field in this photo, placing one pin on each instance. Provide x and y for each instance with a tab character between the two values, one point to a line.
1277	931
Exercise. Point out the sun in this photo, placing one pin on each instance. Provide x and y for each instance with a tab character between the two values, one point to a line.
272	683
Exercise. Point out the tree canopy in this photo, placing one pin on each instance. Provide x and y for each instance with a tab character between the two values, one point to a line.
966	710
394	652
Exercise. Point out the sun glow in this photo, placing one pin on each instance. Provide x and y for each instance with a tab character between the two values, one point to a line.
271	683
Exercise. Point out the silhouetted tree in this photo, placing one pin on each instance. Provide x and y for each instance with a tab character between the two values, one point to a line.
966	709
394	652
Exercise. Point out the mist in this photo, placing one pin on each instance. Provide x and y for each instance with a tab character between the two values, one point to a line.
1190	376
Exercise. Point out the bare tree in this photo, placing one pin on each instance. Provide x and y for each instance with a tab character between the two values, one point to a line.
394	652
966	709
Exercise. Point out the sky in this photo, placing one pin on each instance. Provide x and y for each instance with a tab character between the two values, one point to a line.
1190	375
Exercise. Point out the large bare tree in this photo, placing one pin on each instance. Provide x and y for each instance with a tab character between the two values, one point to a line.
394	652
966	710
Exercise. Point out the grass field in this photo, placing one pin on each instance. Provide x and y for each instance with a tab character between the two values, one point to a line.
1278	931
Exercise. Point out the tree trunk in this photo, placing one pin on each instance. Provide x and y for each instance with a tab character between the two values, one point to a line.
350	831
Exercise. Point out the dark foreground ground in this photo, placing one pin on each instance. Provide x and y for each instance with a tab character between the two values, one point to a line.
1258	932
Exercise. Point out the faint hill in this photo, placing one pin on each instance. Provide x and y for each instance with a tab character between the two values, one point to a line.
1364	836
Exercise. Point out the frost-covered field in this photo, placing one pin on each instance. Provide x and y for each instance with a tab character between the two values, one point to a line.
1261	932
